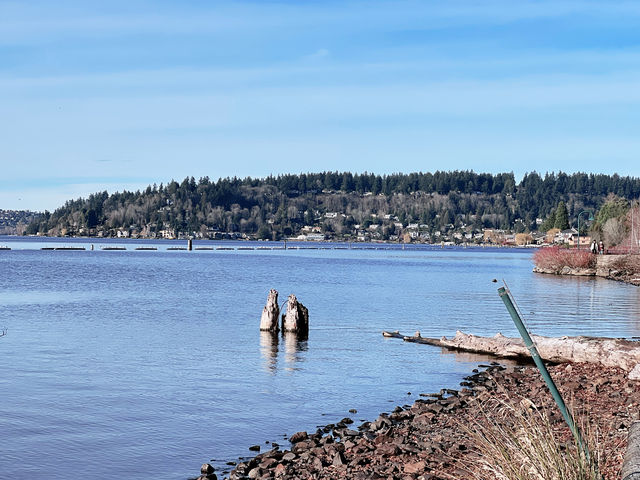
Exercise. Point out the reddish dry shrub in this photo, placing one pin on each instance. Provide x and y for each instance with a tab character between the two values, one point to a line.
626	265
556	258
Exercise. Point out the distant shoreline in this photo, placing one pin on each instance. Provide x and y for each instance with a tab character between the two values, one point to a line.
287	242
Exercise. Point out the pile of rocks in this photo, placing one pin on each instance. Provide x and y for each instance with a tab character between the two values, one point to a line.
428	440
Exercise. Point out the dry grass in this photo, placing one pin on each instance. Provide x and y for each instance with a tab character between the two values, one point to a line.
556	258
520	442
627	265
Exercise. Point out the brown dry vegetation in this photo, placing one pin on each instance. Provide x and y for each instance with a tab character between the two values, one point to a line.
556	258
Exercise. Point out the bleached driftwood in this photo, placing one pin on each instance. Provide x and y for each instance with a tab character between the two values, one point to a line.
631	463
609	352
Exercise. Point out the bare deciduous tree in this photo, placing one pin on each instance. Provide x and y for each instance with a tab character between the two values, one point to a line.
614	231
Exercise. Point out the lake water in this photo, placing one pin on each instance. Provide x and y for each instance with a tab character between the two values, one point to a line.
124	364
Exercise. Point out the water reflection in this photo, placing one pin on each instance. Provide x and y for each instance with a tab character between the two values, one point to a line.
294	346
269	350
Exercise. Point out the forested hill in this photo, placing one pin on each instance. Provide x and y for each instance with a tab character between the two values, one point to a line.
338	205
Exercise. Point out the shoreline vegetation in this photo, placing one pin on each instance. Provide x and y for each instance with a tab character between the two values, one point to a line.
438	436
456	206
562	261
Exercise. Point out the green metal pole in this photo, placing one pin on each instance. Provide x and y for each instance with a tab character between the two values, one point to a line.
524	333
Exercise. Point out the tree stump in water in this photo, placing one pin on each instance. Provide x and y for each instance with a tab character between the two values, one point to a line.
270	313
297	317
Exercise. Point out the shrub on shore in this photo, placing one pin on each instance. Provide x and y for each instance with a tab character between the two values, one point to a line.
626	265
556	258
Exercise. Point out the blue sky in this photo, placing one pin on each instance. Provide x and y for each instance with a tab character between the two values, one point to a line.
121	94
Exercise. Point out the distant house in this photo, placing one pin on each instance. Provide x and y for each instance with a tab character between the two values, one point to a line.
538	238
312	237
564	236
585	240
509	239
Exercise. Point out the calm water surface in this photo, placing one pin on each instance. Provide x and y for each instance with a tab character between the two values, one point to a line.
123	364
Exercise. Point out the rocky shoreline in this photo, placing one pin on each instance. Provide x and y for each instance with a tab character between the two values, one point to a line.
429	440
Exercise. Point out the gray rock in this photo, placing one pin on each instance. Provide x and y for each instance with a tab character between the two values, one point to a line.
287	457
298	437
210	476
254	473
339	460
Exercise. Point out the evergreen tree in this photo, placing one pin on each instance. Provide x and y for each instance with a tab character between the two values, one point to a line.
549	222
562	217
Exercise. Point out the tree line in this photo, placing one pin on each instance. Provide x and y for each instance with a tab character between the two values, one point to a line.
339	203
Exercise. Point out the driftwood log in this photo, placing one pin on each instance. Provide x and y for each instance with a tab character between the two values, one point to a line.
609	352
270	313
631	464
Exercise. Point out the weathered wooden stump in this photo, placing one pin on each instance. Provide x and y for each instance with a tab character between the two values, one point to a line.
270	313
297	317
